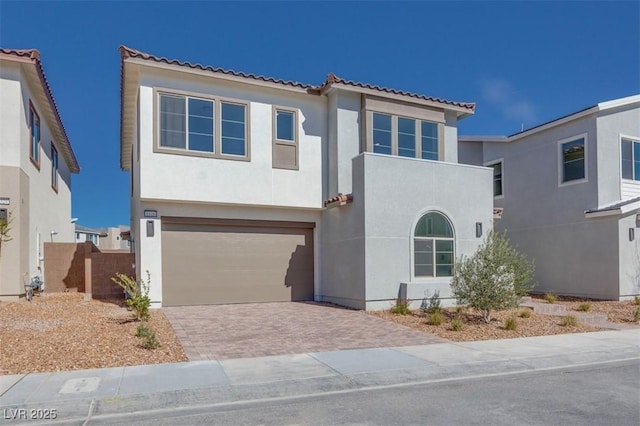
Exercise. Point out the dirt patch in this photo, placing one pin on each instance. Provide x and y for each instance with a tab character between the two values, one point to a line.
61	331
474	328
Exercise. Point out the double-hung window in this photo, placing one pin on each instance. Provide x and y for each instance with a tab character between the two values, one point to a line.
404	136
573	159
285	138
433	248
54	168
202	126
34	124
630	159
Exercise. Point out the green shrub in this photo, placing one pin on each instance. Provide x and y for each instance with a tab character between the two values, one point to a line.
401	307
636	300
584	307
495	277
569	321
510	323
137	294
433	305
636	314
143	330
550	297
434	318
150	341
456	324
525	314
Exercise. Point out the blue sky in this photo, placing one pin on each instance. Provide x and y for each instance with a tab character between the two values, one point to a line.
523	63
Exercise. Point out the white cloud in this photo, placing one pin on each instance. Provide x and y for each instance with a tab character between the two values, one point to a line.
512	104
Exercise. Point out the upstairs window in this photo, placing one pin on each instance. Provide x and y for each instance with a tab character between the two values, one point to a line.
403	136
630	159
433	254
34	124
573	160
202	126
285	138
497	178
54	168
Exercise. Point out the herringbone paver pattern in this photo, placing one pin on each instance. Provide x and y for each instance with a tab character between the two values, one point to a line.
217	332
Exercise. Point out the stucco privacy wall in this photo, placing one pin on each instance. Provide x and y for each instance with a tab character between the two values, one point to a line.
613	124
150	247
397	192
252	182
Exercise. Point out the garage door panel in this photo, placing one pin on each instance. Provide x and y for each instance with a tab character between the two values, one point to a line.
208	264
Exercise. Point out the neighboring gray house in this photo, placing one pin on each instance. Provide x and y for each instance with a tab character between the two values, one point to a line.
570	194
247	188
89	234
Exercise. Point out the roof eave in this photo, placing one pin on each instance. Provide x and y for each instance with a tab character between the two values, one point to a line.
460	111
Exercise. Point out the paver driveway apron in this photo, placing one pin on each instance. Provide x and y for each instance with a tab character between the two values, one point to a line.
214	332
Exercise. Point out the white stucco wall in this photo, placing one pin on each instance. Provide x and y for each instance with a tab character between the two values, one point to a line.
48	210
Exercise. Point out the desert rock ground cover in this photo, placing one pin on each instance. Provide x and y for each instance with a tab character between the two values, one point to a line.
473	328
61	331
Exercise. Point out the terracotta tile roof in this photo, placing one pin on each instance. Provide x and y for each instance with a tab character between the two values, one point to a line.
127	52
34	56
339	200
333	79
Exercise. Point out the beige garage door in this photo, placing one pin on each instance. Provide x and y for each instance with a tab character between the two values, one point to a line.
228	261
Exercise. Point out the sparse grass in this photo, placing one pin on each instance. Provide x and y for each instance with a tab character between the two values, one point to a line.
434	318
636	314
456	324
525	314
401	307
143	330
151	341
584	307
569	321
636	300
510	323
550	297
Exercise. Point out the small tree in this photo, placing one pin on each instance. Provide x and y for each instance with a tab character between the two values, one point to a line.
137	294
494	278
5	227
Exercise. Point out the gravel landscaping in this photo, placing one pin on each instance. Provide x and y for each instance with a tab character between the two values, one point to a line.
61	331
473	328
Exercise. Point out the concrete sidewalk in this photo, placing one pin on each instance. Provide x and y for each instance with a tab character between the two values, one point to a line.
102	394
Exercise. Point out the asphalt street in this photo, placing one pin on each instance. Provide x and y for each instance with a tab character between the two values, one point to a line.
598	394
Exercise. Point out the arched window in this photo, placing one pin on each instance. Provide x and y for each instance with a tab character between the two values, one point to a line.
433	254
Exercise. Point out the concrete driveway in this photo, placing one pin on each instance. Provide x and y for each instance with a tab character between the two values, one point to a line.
215	332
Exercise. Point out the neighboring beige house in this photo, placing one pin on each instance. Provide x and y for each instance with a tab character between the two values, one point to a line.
250	189
113	240
36	163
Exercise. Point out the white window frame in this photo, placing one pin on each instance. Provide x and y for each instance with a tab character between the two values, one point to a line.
217	125
421	278
633	140
491	164
560	162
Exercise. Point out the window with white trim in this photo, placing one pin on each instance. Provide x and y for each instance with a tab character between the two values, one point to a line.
202	126
497	178
630	149
404	136
433	246
573	160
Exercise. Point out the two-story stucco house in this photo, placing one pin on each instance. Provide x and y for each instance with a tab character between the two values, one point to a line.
36	163
247	188
570	194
